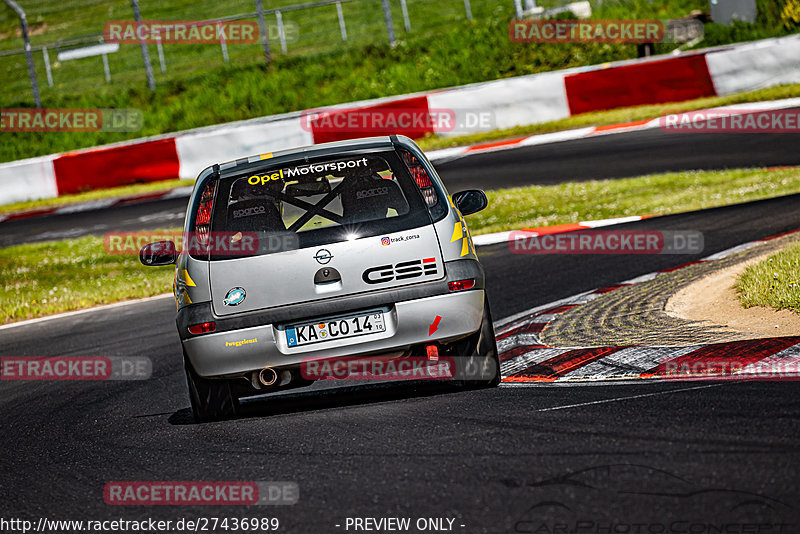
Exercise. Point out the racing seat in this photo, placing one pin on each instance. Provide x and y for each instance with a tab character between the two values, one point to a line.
255	215
368	197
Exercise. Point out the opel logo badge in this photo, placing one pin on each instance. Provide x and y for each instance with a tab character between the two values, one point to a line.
323	256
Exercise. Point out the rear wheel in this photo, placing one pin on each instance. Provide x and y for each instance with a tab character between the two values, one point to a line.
479	362
212	399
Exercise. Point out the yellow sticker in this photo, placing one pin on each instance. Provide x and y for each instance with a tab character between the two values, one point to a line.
255	180
188	279
266	156
458	233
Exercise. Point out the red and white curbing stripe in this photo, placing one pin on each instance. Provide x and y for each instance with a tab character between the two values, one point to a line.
524	359
512	102
756	358
593	131
500	237
178	192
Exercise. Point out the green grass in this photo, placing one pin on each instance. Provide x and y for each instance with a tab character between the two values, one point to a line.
318	32
45	278
658	194
773	282
88	196
198	90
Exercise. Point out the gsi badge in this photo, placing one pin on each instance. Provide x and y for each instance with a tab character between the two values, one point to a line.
401	271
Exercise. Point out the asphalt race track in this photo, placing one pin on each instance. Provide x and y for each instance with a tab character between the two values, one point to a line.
618	156
601	157
661	455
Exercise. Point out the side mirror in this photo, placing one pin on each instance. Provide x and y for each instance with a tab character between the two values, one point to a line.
470	201
158	253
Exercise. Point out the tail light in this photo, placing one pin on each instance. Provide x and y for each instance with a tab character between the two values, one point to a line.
202	222
461	285
203	328
420	176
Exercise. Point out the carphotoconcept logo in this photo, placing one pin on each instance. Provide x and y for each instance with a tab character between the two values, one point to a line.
578	502
70	120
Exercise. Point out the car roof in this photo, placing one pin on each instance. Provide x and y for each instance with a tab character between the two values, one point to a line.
322	149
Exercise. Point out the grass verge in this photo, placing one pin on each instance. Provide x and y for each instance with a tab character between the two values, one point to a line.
773	282
124	191
51	277
656	194
45	278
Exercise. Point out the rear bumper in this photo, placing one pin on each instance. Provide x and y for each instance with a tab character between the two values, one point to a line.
239	351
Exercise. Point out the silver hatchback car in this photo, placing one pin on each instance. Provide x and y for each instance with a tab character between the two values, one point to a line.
341	250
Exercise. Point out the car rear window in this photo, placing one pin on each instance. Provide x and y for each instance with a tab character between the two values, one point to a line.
308	203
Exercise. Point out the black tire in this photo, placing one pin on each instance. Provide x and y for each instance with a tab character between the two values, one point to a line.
212	399
478	355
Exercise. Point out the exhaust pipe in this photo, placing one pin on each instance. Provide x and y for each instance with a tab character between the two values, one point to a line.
267	376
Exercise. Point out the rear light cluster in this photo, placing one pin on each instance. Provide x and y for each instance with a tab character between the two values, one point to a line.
420	175
202	222
461	285
203	328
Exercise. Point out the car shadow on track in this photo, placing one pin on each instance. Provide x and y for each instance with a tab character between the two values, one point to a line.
333	397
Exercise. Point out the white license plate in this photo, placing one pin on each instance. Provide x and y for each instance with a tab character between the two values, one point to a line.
352	326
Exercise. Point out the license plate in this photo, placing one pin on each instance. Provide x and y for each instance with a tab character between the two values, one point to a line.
344	327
